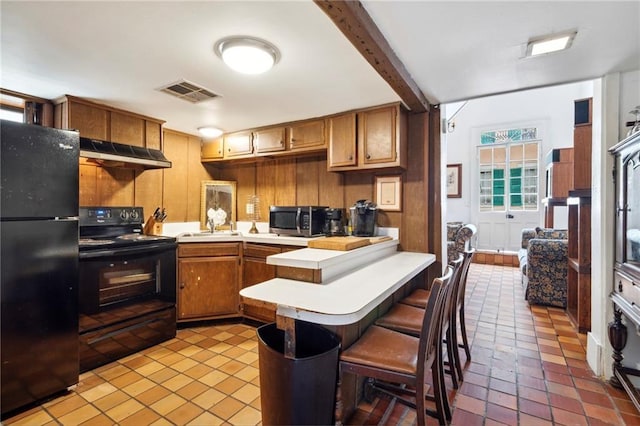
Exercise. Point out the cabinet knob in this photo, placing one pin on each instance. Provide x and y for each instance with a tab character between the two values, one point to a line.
219	151
182	285
350	157
281	143
368	157
620	286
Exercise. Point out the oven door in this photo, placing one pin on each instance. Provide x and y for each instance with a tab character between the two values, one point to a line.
125	275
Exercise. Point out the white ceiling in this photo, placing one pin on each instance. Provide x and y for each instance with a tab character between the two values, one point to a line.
118	53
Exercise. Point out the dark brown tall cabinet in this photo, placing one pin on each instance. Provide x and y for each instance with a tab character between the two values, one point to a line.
579	221
626	275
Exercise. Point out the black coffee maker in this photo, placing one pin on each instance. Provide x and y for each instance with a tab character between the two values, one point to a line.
363	218
334	222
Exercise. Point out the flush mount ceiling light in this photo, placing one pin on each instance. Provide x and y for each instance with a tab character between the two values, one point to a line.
551	43
247	55
209	132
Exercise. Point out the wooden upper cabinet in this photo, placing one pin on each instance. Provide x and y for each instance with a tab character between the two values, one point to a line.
379	139
127	129
96	121
269	140
307	136
237	144
342	141
90	121
212	149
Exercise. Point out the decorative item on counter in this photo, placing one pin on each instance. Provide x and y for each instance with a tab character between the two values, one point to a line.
635	125
253	212
217	197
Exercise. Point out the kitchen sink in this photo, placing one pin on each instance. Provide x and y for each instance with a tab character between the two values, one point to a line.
211	235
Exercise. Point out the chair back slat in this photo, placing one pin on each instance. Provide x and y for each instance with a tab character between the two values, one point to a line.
431	323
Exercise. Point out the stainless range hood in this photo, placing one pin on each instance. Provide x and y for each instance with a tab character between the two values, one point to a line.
112	154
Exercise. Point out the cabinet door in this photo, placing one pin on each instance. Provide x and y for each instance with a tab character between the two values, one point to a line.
307	136
269	140
377	136
90	121
208	287
212	149
236	144
127	129
342	141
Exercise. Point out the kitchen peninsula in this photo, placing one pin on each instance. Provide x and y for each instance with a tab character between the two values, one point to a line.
357	286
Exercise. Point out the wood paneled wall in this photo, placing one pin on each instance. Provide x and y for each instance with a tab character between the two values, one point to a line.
281	181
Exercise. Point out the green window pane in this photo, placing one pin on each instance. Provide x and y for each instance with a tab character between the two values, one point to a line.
516	200
498	200
498	174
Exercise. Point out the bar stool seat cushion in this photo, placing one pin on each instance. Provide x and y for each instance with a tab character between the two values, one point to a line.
383	348
417	298
403	318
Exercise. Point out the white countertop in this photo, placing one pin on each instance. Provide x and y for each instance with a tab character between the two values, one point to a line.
348	297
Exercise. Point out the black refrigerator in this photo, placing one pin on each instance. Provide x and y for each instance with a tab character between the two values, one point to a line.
39	262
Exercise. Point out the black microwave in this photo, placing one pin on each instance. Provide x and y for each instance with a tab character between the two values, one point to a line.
302	221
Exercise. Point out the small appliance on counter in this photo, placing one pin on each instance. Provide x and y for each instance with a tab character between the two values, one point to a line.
301	221
363	218
334	222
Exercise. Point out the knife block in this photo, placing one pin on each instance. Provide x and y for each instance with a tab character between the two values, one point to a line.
152	227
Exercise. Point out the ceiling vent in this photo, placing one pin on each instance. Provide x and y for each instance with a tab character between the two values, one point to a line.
188	91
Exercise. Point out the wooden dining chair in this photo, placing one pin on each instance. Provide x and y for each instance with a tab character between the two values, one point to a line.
408	319
398	363
458	313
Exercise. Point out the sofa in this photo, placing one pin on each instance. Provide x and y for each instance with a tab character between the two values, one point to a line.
459	237
543	263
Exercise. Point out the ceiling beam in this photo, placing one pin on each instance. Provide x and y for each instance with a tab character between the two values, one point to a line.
356	24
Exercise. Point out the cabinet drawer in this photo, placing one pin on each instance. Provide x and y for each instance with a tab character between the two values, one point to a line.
208	249
259	250
625	287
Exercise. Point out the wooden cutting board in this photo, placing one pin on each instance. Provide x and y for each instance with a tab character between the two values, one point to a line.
345	243
339	243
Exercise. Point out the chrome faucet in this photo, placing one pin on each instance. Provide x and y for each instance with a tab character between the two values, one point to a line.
231	225
212	226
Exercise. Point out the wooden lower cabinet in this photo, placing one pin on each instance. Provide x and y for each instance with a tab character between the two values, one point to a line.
208	280
256	270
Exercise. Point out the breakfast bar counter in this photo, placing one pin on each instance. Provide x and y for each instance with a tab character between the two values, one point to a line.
345	299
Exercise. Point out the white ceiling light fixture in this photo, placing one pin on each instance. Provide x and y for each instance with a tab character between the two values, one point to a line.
209	132
247	55
550	43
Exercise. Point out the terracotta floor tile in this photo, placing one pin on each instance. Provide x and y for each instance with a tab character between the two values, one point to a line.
126	379
152	395
534	408
566	403
143	417
192	390
246	416
604	414
139	387
230	385
503	399
227	408
528	420
209	398
66	406
36	416
568	418
563	379
184	414
474	391
502	414
532	394
124	410
167	404
595	398
98	392
99	420
472	405
466	418
247	393
206	418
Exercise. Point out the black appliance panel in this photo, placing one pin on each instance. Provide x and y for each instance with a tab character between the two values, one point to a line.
39	171
39	313
304	221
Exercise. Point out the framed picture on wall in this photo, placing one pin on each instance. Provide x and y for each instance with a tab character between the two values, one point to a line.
389	193
454	180
217	204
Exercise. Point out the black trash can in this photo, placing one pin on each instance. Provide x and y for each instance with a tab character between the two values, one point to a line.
298	391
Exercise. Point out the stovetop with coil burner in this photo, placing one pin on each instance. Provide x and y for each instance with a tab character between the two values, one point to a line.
115	227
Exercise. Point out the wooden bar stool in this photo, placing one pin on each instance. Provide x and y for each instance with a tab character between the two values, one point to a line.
408	319
390	357
418	299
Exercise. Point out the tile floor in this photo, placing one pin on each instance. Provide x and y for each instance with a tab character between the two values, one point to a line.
528	368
